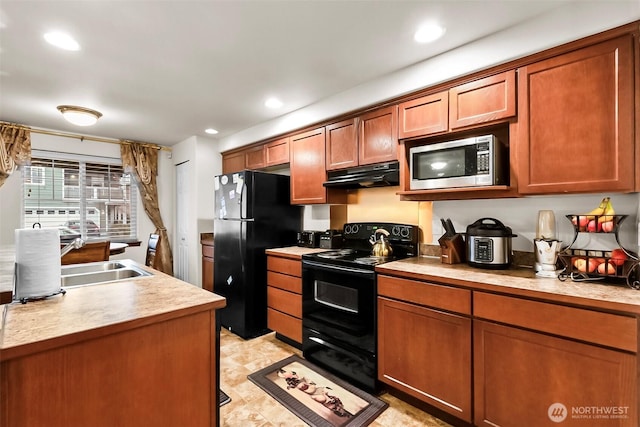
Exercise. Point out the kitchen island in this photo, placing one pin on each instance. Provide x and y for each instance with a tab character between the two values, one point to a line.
134	352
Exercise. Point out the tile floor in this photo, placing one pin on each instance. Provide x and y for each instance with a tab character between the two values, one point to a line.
250	406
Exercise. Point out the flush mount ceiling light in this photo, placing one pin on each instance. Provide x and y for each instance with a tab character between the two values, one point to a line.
211	131
428	33
79	116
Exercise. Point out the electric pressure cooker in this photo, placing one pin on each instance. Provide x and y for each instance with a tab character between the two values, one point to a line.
489	244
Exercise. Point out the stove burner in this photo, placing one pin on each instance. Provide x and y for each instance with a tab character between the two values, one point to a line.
336	254
371	260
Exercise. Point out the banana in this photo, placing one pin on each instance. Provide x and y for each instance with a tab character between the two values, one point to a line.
599	210
608	214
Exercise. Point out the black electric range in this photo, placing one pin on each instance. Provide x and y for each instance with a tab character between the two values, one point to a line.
339	301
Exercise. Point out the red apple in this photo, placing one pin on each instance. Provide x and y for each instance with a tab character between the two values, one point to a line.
580	264
606	268
607	226
594	226
618	257
580	220
586	267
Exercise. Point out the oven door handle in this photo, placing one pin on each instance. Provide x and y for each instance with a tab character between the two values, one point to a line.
342	269
335	348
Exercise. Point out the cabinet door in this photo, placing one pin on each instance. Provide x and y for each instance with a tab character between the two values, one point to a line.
207	267
575	121
308	168
424	116
481	101
254	158
427	354
522	376
342	145
277	152
378	140
233	162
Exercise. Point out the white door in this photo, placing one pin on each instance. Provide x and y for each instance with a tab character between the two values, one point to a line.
182	221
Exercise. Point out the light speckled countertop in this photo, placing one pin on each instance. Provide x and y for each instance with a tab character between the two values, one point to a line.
294	252
520	282
96	310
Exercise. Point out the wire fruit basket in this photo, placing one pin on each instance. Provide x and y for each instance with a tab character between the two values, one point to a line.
591	265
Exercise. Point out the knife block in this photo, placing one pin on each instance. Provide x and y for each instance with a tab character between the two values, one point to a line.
453	249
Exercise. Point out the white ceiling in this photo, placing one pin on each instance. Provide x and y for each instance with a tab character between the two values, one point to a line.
162	71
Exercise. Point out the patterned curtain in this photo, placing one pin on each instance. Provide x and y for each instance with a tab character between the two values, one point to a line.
141	160
15	148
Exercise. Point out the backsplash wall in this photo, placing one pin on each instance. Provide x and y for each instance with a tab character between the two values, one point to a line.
521	215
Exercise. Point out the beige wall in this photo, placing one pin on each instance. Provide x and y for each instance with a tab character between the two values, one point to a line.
382	204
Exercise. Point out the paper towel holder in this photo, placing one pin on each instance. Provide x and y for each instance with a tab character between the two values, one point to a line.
25	300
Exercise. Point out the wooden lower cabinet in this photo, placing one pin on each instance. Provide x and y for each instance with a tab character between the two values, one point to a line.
528	378
162	374
284	297
423	351
504	360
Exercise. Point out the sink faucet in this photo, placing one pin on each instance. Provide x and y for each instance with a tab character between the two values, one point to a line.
75	244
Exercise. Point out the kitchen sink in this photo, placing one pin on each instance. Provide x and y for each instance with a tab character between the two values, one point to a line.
99	273
92	267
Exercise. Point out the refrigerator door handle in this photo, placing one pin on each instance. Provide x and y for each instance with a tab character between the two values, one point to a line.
243	200
241	243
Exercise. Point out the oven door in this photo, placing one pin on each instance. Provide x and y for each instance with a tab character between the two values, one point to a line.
339	321
340	302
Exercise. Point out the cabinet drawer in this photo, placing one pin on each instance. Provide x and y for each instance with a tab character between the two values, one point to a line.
592	326
424	293
284	301
282	281
291	267
207	251
284	324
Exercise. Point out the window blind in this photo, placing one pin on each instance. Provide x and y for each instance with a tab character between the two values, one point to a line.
82	197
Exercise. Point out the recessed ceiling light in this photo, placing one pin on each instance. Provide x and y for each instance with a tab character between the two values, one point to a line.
61	40
211	131
428	33
273	103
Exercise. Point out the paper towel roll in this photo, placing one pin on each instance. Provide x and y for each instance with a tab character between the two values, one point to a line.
37	262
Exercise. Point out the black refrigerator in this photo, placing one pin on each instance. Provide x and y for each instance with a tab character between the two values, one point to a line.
253	213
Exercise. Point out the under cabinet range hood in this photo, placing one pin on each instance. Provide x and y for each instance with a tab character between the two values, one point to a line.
378	175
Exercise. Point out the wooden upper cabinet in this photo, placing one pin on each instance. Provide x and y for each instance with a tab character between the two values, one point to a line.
233	162
307	151
575	124
255	157
475	103
277	152
484	100
342	145
377	136
424	116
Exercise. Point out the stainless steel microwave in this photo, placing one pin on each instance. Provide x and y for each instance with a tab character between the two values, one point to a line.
471	162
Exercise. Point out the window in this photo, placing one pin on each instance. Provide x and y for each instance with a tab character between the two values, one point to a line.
34	175
82	196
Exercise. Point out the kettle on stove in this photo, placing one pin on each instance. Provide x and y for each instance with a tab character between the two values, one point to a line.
381	246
